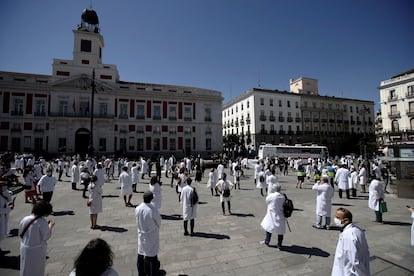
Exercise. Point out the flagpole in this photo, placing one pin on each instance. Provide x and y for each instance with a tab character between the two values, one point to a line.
91	149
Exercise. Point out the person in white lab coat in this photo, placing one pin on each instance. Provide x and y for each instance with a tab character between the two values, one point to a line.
274	221
75	175
155	188
362	175
6	205
352	253
376	195
95	195
341	178
126	186
224	187
134	176
323	202
34	231
352	181
189	210
148	223
411	209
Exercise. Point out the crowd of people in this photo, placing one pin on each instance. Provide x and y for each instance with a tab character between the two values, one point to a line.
90	175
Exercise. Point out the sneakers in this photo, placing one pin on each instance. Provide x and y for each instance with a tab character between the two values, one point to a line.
264	242
317	226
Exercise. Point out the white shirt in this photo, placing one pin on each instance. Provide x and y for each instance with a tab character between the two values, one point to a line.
47	183
148	224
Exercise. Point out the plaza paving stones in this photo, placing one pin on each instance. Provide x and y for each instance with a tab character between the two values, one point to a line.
223	245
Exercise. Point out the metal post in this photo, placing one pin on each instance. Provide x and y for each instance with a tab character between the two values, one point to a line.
91	149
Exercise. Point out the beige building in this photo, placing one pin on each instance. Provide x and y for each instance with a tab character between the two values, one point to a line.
306	86
397	108
85	98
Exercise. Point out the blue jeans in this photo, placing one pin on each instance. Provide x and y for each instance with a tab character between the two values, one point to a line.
148	265
319	221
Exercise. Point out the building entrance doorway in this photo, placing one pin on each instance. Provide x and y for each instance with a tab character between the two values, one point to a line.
82	137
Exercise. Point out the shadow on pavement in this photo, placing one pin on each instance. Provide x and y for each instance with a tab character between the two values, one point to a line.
397	223
311	251
63	213
11	262
242	215
110	196
341	204
171	217
14	232
211	236
113	229
202	202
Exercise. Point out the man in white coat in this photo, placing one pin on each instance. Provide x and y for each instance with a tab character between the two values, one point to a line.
126	186
5	208
323	202
75	175
341	178
189	210
352	253
376	196
362	175
148	223
411	209
274	220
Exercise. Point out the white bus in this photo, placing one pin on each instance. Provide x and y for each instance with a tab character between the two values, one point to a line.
296	151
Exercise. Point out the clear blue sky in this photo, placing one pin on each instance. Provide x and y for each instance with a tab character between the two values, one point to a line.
226	45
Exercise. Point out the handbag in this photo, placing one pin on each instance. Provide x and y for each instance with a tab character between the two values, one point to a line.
383	207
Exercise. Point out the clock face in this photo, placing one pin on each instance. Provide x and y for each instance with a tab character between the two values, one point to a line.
86	45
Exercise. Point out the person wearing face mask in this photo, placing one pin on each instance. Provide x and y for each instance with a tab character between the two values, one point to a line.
352	253
46	185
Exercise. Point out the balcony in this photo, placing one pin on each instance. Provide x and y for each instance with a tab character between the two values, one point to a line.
123	131
297	119
172	132
156	117
39	114
140	117
306	120
172	118
331	121
393	98
410	113
207	119
84	115
272	132
237	124
140	131
187	119
38	130
272	118
323	120
16	129
123	116
394	115
289	119
281	119
315	120
156	131
241	123
352	122
248	121
410	94
359	123
346	122
16	113
208	132
262	118
187	132
282	132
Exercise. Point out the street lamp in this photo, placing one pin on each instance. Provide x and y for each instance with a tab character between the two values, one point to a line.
93	90
363	111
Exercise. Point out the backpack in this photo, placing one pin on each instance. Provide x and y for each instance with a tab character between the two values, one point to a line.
261	178
226	192
194	197
288	207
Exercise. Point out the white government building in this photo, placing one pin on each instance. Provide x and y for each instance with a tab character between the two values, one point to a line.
397	109
265	116
52	113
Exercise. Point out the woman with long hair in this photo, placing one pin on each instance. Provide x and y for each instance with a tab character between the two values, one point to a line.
95	259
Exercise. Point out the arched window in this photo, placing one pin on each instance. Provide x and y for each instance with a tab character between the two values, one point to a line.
412	124
394	126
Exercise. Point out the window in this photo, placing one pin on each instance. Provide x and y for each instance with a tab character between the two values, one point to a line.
297	104
103	109
261	101
305	104
237	109
271	102
350	109
322	105
313	104
40	108
62	144
394	109
280	102
241	106
207	112
123	111
140	111
208	143
172	112
122	145
27	143
288	103
248	104
411	107
393	95
38	144
102	144
63	107
86	45
18	106
84	108
140	144
157	112
395	126
187	113
410	90
157	144
172	144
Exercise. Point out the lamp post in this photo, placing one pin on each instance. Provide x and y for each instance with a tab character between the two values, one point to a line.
90	148
364	110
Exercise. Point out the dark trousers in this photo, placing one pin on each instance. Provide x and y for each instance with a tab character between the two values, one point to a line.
378	216
148	266
346	191
47	196
228	205
73	185
85	187
269	236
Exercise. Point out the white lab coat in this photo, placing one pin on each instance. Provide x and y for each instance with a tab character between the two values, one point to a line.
148	223
222	185
75	174
323	199
341	177
352	253
5	198
95	197
352	180
259	184
376	191
135	174
33	246
212	179
412	229
189	211
126	184
156	191
220	170
274	221
362	176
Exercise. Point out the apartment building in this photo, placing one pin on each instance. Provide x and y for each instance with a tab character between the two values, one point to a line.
84	105
397	108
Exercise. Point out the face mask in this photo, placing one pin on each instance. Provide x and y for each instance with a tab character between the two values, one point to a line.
338	222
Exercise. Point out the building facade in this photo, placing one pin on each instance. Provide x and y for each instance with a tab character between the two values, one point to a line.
397	108
85	98
280	117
